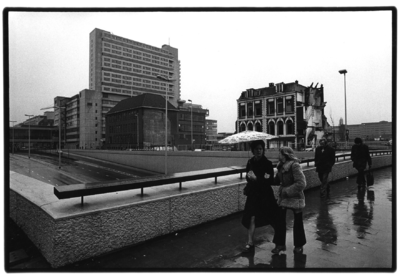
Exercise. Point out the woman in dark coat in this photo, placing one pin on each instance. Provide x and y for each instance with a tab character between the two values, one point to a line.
261	207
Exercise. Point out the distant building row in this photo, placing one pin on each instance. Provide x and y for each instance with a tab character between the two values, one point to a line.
123	69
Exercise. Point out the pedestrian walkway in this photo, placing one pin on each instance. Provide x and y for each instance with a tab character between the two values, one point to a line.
353	230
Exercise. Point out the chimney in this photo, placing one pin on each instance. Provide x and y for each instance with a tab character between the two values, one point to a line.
271	85
180	103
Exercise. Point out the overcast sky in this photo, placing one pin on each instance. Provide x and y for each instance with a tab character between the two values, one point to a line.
221	53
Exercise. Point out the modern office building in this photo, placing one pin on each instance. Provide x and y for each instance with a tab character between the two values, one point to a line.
371	130
381	130
285	110
211	131
191	117
120	68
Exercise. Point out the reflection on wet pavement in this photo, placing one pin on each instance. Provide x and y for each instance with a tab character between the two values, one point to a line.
352	229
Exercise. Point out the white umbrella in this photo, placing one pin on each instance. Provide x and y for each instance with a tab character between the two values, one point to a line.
246	136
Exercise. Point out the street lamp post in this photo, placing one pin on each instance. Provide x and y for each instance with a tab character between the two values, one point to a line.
166	120
13	143
344	71
29	135
137	130
191	124
59	131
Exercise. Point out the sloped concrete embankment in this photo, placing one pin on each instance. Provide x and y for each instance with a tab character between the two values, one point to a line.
66	233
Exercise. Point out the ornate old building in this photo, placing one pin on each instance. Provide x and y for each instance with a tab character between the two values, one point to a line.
292	112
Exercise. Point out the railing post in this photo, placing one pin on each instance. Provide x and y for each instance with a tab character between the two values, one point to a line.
180	185
215	179
81	201
141	194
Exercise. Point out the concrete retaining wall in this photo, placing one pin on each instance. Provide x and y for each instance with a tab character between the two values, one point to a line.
65	232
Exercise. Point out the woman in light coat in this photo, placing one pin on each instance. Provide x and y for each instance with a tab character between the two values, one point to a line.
292	182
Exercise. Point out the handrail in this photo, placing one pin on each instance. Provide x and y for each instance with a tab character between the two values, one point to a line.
81	190
344	156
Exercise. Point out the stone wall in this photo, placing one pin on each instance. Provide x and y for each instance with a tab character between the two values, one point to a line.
66	233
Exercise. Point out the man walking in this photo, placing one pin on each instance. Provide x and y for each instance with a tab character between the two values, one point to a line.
360	157
324	161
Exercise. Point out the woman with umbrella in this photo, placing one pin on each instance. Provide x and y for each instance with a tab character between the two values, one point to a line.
261	206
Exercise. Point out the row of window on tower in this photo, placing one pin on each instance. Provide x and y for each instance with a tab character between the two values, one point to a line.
279	105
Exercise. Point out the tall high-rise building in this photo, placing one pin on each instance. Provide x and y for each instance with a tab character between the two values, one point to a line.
120	68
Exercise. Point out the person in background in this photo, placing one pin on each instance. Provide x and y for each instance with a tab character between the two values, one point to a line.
292	183
260	208
324	161
360	157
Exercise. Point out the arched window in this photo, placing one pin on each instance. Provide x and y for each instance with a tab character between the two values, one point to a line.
280	127
258	127
250	127
289	127
271	128
242	127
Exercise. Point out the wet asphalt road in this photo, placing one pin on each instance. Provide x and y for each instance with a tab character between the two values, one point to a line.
353	230
74	169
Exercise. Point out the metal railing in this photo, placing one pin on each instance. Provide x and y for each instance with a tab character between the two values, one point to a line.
348	155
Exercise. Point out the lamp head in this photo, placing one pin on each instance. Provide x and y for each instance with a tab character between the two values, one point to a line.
343	71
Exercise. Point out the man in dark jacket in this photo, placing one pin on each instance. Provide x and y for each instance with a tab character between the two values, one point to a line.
324	161
360	157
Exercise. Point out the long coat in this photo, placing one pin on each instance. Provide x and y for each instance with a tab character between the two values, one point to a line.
292	184
360	156
324	158
260	201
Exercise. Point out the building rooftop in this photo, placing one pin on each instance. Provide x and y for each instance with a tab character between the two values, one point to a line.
146	100
272	89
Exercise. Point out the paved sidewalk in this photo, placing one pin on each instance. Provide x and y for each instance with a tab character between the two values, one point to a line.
352	231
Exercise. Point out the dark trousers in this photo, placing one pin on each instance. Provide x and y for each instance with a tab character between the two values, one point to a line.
360	176
323	177
299	236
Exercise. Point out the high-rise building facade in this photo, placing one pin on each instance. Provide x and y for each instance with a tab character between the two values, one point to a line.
120	68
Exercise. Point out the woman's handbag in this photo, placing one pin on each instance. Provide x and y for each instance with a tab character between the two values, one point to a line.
293	203
370	178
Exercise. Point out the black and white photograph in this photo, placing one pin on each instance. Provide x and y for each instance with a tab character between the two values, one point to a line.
255	137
